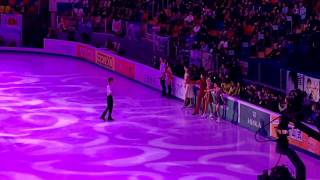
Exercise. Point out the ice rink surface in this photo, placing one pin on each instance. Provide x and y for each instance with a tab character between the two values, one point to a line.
50	129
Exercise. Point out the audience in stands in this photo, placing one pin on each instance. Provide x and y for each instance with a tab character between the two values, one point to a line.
262	28
19	6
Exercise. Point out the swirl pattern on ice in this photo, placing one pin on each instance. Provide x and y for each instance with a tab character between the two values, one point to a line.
50	129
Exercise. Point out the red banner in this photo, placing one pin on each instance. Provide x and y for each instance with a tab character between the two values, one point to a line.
126	68
86	52
298	138
105	60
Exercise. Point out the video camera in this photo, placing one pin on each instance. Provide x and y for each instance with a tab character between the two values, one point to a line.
282	172
277	173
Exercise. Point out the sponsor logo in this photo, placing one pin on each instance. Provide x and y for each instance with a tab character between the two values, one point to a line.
295	134
252	121
86	52
105	60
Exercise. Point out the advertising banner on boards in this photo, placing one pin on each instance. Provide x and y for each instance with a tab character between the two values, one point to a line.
148	76
254	119
61	47
230	110
125	68
296	137
105	59
86	52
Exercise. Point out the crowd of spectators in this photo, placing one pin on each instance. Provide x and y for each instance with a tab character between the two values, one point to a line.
225	28
19	6
264	26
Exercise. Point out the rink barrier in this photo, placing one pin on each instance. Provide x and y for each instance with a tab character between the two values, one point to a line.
243	113
107	59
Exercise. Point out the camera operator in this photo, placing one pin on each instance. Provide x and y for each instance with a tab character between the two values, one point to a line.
283	105
295	101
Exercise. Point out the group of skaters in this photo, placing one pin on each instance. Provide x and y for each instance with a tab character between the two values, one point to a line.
207	95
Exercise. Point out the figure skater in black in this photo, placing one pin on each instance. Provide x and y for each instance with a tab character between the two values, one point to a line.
109	102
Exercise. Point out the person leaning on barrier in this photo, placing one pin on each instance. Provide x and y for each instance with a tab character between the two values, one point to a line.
218	93
169	78
163	76
237	90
